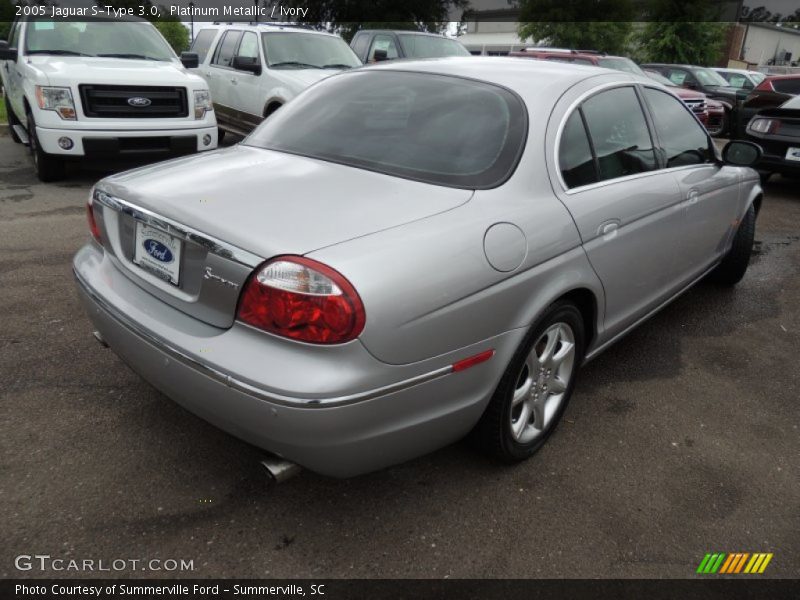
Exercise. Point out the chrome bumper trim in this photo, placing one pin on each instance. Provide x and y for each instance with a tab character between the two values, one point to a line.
242	386
212	244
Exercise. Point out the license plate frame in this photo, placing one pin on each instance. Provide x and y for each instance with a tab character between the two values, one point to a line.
158	253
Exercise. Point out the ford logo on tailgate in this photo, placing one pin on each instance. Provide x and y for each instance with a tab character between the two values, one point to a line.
139	101
158	251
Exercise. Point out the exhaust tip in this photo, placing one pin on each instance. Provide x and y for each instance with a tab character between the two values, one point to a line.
280	470
99	339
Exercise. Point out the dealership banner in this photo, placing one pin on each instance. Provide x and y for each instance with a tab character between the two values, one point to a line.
321	12
400	589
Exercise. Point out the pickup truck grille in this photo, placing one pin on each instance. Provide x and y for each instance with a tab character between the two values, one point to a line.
112	102
697	105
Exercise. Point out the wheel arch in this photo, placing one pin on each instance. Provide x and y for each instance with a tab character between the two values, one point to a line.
272	105
586	302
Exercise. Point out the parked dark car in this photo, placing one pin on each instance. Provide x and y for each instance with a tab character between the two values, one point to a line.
705	80
376	45
770	93
777	131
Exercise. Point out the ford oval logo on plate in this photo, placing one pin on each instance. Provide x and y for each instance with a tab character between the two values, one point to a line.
158	251
138	101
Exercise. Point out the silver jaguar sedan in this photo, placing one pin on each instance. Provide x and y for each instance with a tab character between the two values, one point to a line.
411	253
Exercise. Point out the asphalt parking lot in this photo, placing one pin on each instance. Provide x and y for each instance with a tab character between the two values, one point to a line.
682	439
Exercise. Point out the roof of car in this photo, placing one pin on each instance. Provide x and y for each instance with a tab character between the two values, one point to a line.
404	31
514	73
264	27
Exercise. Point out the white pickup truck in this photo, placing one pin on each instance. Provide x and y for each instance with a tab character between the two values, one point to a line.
101	88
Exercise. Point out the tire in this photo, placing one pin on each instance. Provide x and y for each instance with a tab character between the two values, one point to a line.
503	431
733	267
12	120
220	135
48	167
723	126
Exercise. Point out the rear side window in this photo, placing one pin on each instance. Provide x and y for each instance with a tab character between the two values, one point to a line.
433	128
619	133
787	86
575	155
202	43
682	138
226	48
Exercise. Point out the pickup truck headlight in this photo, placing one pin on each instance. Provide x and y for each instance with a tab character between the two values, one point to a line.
202	103
58	99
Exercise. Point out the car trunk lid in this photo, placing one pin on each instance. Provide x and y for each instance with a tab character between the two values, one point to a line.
191	230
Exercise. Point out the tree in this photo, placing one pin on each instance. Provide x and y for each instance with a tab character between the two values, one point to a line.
581	24
345	17
682	31
606	37
174	32
6	17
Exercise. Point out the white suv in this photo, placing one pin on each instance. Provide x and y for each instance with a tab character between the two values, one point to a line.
105	87
253	69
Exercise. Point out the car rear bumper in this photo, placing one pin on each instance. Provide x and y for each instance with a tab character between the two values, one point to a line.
120	144
774	158
356	433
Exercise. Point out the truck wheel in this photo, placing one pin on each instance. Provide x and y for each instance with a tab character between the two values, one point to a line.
535	388
48	167
12	120
733	267
722	129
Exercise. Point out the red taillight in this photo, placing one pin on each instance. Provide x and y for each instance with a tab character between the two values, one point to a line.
93	228
304	300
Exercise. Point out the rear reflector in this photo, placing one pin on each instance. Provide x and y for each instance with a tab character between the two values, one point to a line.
93	228
465	364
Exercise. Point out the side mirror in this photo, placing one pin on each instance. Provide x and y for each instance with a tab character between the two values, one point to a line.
247	63
6	52
741	154
380	55
190	60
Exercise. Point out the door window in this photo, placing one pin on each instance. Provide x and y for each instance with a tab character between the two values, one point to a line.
682	138
360	44
202	43
383	42
619	133
226	48
787	86
249	46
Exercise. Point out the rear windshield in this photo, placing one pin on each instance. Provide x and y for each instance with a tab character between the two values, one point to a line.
787	86
433	128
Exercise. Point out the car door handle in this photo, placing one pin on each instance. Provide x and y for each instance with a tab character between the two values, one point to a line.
608	227
692	196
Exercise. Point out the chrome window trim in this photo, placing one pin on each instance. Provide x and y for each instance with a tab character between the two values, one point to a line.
210	243
598	184
242	386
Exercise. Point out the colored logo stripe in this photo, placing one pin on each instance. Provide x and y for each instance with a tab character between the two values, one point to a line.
734	563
